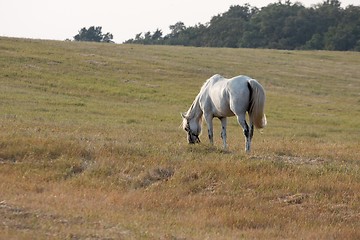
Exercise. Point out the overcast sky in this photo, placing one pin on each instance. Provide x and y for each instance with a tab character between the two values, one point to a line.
62	19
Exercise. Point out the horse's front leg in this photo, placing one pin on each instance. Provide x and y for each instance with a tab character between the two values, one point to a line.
223	130
208	119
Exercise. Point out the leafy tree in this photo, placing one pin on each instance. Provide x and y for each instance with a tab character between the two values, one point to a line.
346	34
93	34
138	36
278	24
281	25
316	42
176	29
157	35
108	37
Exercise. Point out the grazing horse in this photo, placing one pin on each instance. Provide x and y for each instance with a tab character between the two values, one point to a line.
220	97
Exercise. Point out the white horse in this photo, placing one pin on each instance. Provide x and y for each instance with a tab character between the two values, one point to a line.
220	97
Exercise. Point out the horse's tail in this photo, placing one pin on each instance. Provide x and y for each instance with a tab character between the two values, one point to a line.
257	104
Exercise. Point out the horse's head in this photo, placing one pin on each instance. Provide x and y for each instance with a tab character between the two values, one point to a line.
192	127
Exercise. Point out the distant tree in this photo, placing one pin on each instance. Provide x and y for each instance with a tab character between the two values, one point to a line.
147	35
176	29
328	14
346	34
138	36
226	30
316	42
157	35
280	25
108	37
138	39
148	38
93	34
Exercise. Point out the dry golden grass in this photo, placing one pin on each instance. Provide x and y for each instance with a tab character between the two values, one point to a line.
90	146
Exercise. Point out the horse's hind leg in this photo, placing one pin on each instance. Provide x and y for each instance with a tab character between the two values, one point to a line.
249	137
248	131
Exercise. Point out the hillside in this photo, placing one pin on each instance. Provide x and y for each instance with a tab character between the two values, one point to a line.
90	144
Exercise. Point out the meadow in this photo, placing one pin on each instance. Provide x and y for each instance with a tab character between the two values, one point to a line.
91	148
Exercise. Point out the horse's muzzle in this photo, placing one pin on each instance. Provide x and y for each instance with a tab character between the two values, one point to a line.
193	139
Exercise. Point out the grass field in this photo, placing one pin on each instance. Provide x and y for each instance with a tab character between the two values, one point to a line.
90	145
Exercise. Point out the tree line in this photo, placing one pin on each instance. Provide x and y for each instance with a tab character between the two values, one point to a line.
93	34
325	26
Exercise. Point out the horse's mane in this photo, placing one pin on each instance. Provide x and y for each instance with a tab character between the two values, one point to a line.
206	84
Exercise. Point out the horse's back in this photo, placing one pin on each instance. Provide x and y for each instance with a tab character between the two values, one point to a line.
238	86
226	97
239	81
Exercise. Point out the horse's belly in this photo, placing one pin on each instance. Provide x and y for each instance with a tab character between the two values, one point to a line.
223	112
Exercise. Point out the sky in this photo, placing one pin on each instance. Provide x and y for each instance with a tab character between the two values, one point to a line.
62	19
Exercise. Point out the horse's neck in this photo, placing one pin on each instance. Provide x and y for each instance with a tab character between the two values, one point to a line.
195	109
